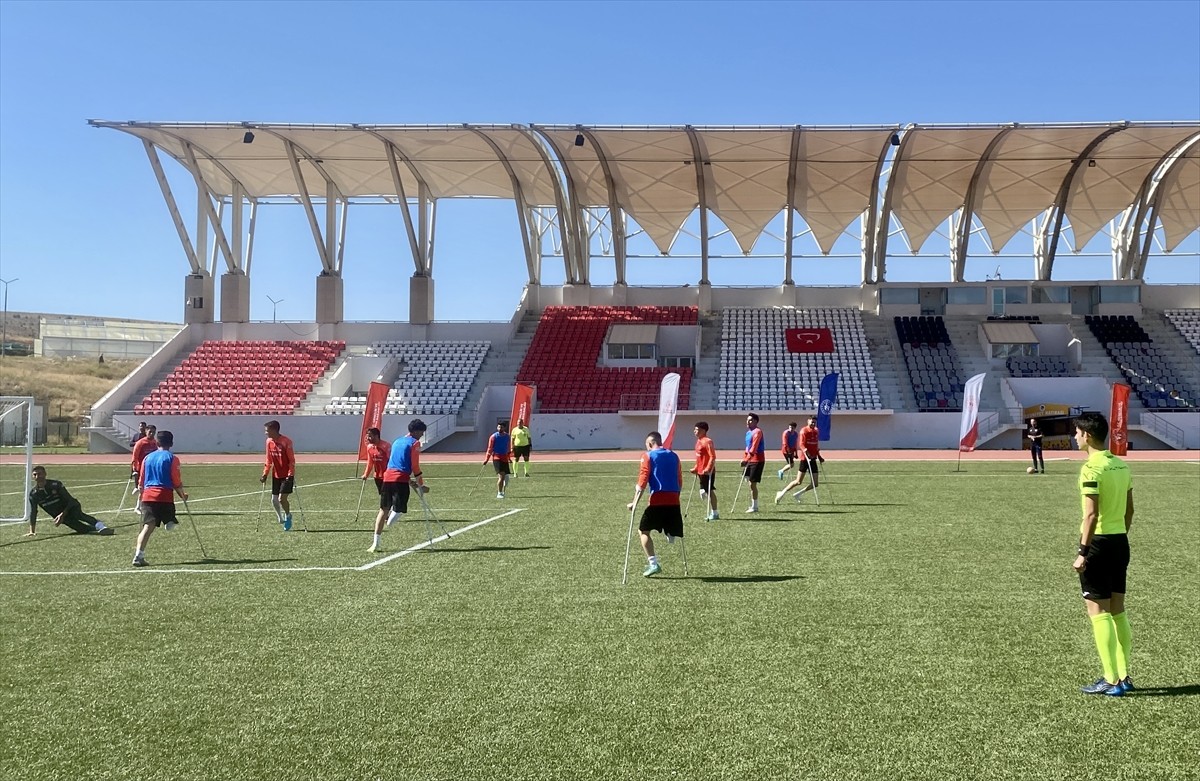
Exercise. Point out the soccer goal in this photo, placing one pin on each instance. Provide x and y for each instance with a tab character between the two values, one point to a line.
16	456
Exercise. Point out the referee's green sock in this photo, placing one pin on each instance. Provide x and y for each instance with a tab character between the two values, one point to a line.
1124	643
1104	630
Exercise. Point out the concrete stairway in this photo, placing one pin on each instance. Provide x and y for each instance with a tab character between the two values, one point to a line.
707	375
891	376
499	367
964	334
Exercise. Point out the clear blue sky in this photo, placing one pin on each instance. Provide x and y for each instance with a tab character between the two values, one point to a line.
84	228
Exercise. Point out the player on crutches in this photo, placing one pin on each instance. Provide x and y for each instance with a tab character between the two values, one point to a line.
706	470
403	468
379	451
661	471
280	466
810	450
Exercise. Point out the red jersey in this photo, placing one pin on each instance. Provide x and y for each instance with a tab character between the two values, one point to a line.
810	439
144	447
377	458
788	444
281	459
706	456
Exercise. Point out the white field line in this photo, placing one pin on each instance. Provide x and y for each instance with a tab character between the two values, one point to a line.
240	570
435	540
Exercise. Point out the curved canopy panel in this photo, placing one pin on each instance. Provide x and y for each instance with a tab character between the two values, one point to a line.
1024	175
1180	207
747	175
1111	179
933	176
653	178
836	172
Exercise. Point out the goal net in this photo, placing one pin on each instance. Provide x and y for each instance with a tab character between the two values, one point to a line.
16	456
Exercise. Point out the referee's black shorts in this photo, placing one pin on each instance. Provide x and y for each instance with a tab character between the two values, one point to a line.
1105	566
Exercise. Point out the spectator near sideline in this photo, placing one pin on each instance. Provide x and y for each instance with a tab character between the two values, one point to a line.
52	496
1102	560
404	464
161	481
1035	446
141	433
522	441
281	466
706	469
790	441
754	459
499	451
660	469
810	450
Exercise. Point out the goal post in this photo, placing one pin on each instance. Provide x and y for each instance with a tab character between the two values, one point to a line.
16	457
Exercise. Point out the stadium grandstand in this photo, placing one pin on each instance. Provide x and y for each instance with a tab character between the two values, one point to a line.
1121	195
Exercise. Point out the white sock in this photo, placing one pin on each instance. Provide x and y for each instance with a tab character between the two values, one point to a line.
392	516
140	553
653	561
378	537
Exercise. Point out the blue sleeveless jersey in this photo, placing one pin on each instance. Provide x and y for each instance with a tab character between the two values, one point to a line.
401	457
156	470
664	471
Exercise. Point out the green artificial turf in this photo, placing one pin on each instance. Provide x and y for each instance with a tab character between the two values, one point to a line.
922	623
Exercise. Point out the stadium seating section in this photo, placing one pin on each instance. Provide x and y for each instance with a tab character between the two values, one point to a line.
1187	322
563	356
932	363
758	373
1039	366
1145	366
242	378
434	378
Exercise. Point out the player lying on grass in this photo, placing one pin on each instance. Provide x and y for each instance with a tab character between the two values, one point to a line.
52	496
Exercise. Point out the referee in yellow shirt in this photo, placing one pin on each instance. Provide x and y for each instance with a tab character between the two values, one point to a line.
522	443
1106	492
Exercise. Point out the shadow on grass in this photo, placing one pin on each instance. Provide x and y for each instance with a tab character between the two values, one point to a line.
1190	690
750	578
211	560
490	548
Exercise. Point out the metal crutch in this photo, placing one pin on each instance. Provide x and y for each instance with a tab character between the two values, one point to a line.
192	523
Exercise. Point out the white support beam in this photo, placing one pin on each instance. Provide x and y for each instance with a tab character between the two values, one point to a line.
160	176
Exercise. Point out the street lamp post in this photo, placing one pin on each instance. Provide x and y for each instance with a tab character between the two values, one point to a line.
274	304
4	318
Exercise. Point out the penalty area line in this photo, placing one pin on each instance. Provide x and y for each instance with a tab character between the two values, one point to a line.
428	543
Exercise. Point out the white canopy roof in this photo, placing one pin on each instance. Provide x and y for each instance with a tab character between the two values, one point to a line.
1003	175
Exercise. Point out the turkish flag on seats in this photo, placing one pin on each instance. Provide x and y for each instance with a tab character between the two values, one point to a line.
808	340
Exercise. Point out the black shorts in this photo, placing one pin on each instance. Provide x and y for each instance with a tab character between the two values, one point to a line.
708	482
753	472
665	518
394	496
501	467
282	485
790	457
804	464
522	451
1107	562
158	513
379	484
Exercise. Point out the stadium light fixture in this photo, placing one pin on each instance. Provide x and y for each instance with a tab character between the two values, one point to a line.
1091	163
895	139
248	138
579	139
